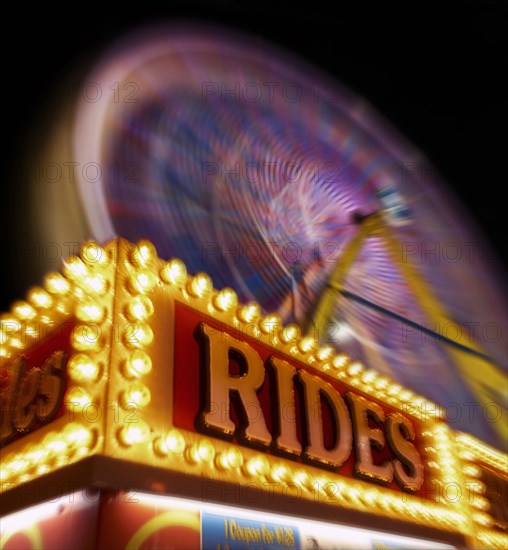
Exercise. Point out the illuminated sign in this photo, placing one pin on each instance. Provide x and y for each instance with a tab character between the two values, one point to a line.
127	360
298	405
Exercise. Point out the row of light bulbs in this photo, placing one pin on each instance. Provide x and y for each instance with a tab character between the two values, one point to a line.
249	318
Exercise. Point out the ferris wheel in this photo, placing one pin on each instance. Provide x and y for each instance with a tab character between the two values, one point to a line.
282	184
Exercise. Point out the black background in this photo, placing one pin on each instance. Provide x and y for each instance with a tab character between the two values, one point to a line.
436	70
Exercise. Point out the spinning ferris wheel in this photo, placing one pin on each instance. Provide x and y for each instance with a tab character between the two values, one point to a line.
259	170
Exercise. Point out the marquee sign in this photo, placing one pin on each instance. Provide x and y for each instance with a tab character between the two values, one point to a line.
127	356
260	398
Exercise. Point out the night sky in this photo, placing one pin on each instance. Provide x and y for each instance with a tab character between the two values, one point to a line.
433	69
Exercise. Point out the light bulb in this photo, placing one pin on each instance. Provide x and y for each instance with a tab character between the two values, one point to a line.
250	312
134	434
226	299
136	394
139	364
139	308
201	285
174	272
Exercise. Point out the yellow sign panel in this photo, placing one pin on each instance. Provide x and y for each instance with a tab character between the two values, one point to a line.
163	370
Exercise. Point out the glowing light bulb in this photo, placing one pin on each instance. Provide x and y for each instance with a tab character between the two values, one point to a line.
290	334
406	395
134	434
136	394
226	299
77	436
201	285
270	323
306	344
18	464
142	282
97	284
394	389
55	445
139	364
77	398
82	369
74	268
172	442
139	308
279	473
40	298
369	376
257	466
203	451
35	454
324	352
369	497
56	284
381	383
250	312
139	335
206	450
24	310
174	272
86	337
302	478
90	312
230	459
92	253
355	368
143	253
340	360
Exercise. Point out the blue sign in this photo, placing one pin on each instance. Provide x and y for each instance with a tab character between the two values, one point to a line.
225	532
